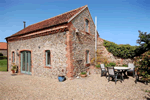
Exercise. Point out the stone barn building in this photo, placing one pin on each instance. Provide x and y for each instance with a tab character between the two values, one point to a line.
3	48
66	41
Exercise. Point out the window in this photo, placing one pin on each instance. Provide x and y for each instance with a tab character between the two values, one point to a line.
86	25
48	59
87	56
13	56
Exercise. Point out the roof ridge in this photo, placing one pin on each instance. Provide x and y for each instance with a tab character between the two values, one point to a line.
57	15
2	42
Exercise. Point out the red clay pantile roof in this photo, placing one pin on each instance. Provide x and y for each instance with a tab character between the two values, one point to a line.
63	18
3	45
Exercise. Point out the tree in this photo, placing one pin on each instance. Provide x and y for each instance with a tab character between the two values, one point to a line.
144	40
1	54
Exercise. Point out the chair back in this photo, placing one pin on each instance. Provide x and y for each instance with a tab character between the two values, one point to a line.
111	70
102	66
131	66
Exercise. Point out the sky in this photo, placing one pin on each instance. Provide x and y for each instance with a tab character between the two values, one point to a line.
118	21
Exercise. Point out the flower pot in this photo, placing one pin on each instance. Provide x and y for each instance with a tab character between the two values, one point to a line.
61	78
97	67
83	75
13	71
87	65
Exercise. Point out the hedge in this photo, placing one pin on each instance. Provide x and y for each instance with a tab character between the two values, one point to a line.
3	57
122	51
1	54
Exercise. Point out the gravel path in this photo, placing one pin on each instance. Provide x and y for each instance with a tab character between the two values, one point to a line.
94	87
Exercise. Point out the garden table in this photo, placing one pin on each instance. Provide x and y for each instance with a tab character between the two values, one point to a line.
122	69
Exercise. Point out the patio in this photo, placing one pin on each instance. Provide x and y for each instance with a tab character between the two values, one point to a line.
94	87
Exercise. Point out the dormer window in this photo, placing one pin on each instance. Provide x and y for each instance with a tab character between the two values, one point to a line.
86	25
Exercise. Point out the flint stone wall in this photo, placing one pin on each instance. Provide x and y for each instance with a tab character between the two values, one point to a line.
110	56
79	21
4	52
82	41
56	43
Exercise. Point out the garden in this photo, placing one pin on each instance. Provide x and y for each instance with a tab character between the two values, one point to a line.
140	55
3	62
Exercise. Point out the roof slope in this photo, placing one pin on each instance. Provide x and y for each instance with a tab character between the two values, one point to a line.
57	20
3	45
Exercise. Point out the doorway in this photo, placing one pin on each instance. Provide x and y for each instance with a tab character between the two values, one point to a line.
26	62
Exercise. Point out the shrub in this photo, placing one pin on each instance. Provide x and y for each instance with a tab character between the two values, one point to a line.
122	51
3	57
98	66
14	67
124	65
1	54
111	64
83	73
143	65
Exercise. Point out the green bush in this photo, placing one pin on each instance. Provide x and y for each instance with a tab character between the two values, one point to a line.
111	64
83	73
3	65
1	54
122	51
143	65
98	66
124	65
128	51
3	57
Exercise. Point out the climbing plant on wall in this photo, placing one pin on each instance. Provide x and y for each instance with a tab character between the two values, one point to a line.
122	51
128	51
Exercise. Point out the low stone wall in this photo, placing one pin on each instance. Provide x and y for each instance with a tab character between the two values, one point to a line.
4	52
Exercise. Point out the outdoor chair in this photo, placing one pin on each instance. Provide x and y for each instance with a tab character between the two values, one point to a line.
112	73
132	68
103	70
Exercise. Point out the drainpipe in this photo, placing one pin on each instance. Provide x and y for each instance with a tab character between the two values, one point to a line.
95	39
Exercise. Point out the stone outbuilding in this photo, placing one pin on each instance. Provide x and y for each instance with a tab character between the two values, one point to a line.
58	44
3	48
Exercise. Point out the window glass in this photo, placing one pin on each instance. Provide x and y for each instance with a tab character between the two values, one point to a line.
13	57
48	58
87	56
87	25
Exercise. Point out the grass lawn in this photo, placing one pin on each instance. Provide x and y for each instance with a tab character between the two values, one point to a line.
3	65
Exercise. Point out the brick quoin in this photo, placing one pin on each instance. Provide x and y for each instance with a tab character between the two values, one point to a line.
69	55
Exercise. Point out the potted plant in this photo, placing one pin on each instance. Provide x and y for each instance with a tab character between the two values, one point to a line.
14	68
83	74
97	66
125	65
61	75
87	65
111	64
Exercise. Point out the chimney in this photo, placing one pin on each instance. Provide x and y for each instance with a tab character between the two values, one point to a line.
24	24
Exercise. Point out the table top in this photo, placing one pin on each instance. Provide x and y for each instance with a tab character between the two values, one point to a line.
121	68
